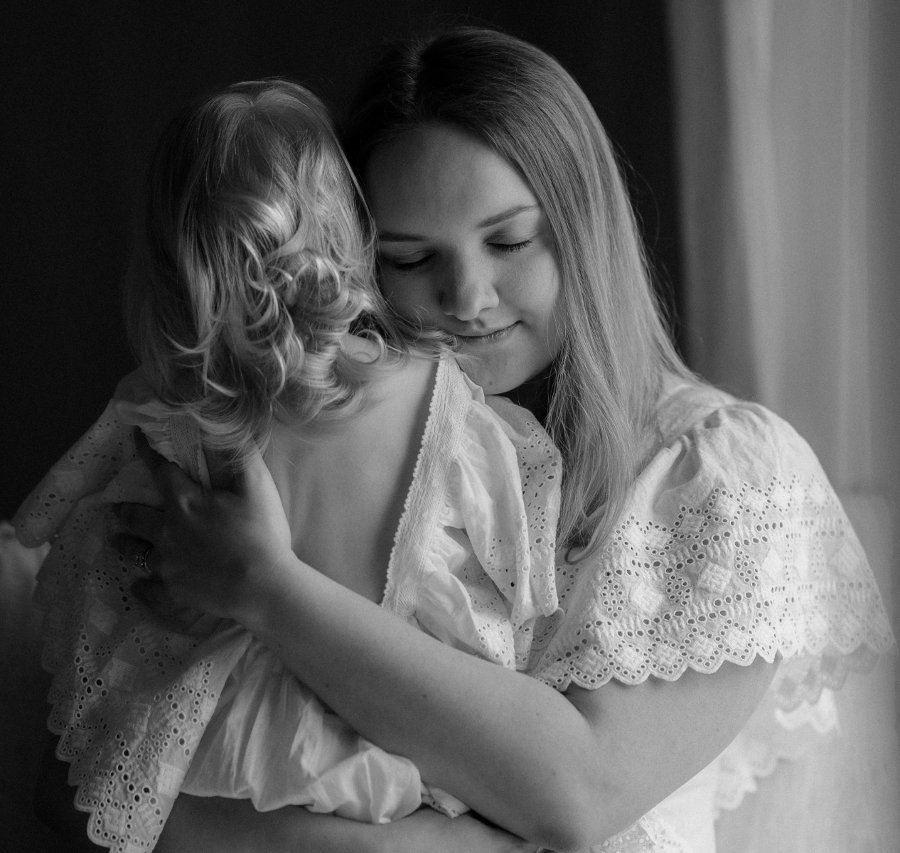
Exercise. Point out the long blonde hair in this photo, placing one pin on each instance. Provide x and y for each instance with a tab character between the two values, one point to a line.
254	259
616	349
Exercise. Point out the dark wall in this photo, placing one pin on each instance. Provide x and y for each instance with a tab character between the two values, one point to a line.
87	85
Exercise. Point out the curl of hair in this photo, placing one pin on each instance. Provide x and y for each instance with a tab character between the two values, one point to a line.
616	349
254	260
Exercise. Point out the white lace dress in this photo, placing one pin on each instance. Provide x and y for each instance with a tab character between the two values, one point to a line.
145	710
733	545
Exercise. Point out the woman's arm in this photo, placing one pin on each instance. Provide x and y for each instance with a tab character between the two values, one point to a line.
217	825
562	771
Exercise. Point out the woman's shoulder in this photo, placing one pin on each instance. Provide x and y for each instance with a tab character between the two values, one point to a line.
711	436
732	544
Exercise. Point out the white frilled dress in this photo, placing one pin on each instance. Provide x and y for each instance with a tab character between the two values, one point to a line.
146	710
732	545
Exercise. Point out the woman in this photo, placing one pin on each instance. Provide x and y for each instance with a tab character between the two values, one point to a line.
708	577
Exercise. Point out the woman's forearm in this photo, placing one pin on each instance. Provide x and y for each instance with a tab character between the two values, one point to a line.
216	825
563	771
506	744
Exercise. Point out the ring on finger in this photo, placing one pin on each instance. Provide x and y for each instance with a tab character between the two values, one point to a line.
142	560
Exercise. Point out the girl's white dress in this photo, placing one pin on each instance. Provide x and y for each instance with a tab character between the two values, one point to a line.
146	709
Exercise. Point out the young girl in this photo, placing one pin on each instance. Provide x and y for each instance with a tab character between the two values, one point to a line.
397	479
713	594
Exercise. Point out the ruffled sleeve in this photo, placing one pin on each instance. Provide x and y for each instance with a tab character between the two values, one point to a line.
93	463
733	545
87	468
174	435
130	695
473	562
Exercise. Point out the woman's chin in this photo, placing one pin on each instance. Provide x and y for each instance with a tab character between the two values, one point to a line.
495	376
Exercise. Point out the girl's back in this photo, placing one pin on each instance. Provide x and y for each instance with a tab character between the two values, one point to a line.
343	484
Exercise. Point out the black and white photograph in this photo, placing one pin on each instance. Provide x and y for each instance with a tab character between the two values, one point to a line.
450	427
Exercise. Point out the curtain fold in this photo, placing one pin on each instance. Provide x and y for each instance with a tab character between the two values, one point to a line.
788	117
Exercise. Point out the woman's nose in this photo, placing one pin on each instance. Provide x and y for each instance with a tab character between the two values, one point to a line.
468	290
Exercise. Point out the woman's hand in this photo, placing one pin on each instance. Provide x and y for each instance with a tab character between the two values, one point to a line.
210	550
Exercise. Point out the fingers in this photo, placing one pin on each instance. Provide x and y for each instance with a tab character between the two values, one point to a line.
253	477
140	521
152	592
170	479
130	546
147	454
221	469
176	487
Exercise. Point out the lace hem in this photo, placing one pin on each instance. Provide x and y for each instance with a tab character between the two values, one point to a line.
649	835
747	572
127	749
817	670
771	737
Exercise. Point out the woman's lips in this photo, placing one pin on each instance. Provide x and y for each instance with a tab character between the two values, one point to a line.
486	337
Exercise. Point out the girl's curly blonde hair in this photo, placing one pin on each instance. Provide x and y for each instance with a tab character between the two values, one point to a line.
254	260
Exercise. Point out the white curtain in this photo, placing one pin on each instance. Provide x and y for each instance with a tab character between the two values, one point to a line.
788	117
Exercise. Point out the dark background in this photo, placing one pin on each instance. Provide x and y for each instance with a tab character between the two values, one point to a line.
86	86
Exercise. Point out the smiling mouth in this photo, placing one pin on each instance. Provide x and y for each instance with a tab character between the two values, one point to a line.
489	338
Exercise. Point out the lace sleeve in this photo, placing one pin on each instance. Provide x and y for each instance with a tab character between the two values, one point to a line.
130	695
87	468
733	545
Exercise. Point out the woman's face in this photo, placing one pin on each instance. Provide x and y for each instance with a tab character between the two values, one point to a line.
466	247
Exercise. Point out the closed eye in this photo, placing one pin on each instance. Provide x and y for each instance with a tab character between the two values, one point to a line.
405	265
510	247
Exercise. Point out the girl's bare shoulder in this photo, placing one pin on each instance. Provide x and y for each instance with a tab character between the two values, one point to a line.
397	380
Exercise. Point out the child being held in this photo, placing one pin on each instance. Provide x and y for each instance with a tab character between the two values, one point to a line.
398	479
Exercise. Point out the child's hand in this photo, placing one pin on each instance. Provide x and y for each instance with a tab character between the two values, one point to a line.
213	550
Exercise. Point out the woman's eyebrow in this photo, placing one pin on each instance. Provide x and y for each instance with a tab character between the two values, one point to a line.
494	219
509	213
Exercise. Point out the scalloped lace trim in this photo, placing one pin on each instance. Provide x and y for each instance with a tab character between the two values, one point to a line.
126	763
649	835
751	571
